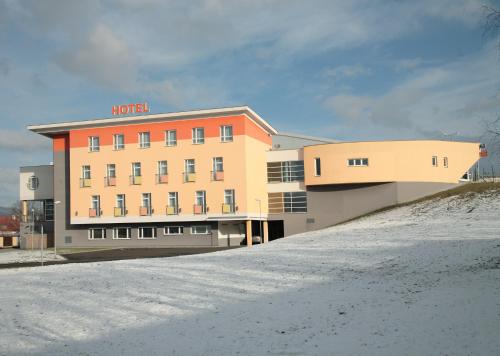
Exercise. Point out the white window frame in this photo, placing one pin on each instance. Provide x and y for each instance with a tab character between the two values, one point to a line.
358	162
166	230
90	233
111	168
198	135
134	167
140	232
142	141
168	141
203	196
434	161
33	183
160	166
224	136
95	203
188	164
218	162
94	145
86	170
229	197
117	145
175	196
120	198
115	233
208	230
317	166
146	197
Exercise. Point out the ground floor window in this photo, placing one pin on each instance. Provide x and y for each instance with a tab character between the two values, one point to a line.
295	202
147	232
121	233
97	234
200	229
173	230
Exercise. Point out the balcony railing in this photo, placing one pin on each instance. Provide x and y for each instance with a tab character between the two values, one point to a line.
228	208
135	180
217	175
172	210
145	210
200	209
119	211
161	178
189	177
94	213
85	182
109	181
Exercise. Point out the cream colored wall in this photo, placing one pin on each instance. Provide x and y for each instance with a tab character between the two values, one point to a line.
234	164
400	161
256	175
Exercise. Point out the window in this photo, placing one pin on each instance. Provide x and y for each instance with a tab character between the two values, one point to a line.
97	234
95	203
226	133
198	135
173	207
136	169
111	170
295	202
94	143
147	232
118	141
189	166
229	204
357	162
317	167
200	230
288	171
171	137
146	204
121	233
434	161
86	172
162	168
33	183
200	202
445	162
48	207
173	230
218	164
144	140
120	209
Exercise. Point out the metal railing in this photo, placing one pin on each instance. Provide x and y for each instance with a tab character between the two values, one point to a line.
228	208
145	210
94	213
217	175
161	178
109	181
172	210
199	209
85	182
188	177
118	211
135	180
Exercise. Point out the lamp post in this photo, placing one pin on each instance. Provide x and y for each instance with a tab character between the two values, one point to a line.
56	203
260	221
32	227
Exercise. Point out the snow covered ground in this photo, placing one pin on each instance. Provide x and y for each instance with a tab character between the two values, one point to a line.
11	255
418	280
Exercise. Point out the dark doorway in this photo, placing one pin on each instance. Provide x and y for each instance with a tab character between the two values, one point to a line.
276	229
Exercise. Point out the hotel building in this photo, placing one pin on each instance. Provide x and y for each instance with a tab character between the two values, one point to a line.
220	177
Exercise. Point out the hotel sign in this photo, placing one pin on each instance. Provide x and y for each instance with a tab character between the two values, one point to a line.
139	108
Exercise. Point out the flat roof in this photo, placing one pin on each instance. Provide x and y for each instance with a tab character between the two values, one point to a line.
58	128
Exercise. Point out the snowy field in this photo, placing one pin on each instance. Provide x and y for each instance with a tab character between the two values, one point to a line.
11	255
418	280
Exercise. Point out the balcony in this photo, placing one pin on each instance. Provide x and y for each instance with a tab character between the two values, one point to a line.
161	178
217	175
85	182
189	177
228	208
200	209
109	181
145	210
119	211
94	213
172	210
135	180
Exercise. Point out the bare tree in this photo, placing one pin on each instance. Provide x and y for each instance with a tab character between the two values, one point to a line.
491	21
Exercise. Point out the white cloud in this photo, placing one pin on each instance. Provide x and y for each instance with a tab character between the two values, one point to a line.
347	71
22	141
449	97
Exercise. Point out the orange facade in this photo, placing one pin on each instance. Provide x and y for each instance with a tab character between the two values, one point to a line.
243	160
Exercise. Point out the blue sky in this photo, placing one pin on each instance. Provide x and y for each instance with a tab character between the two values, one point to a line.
350	70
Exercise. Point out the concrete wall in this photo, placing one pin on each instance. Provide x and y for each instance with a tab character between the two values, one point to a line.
45	175
331	204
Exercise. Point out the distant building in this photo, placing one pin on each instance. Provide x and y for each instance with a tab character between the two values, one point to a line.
218	177
9	231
